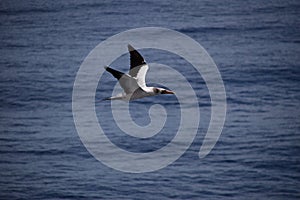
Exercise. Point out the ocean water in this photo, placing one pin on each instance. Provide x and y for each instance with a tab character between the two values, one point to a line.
256	48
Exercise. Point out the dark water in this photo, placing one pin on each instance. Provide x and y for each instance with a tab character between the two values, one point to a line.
256	47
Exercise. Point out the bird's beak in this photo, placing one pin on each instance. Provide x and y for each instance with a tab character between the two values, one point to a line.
167	92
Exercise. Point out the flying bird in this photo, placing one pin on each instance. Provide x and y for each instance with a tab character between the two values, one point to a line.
133	83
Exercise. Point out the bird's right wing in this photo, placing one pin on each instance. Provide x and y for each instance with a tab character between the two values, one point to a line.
138	66
128	83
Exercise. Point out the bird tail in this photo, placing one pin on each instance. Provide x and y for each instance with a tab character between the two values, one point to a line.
105	99
118	97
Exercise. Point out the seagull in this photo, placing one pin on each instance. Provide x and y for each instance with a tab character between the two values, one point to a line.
133	83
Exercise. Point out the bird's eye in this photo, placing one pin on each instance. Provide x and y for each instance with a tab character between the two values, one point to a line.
156	90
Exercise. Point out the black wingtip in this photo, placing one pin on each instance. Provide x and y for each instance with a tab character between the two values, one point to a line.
130	48
117	74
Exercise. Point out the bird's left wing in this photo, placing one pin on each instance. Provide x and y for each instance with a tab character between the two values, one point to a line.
128	83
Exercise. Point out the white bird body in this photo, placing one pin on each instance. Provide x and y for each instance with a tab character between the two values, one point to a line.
134	84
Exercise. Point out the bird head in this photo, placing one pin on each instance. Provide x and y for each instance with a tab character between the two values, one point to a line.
162	91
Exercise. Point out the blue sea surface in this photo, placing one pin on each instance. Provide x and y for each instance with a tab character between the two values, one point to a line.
255	45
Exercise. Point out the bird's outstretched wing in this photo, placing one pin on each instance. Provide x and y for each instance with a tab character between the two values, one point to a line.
138	66
128	83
